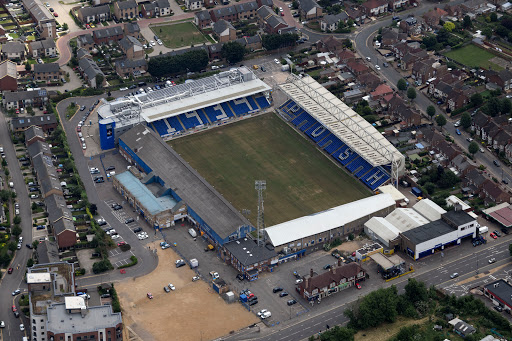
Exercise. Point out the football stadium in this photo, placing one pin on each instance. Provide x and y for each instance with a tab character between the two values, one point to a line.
320	159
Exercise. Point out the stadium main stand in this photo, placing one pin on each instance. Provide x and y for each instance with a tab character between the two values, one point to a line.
372	167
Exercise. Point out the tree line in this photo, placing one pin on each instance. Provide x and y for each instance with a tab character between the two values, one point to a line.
165	65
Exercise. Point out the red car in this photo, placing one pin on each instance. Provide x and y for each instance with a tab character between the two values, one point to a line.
55	14
10	270
358	285
150	296
121	243
493	235
14	308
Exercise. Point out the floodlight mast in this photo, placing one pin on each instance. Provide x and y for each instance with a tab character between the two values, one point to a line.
260	186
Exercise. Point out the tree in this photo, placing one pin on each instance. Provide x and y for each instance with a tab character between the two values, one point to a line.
402	84
415	291
30	263
93	208
65	26
17	220
487	32
429	187
34	206
492	107
99	80
431	111
473	148
505	106
476	100
411	93
16	231
35	243
449	26
338	333
233	52
27	66
440	120
494	17
465	120
12	246
467	22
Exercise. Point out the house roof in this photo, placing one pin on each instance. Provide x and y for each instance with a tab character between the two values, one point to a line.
94	11
149	6
222	25
382	89
108	32
224	11
128	42
275	21
132	27
247	6
42	44
25	122
308	5
162	3
38	147
45	68
128	63
13	47
8	68
90	68
475	177
57	208
334	19
80	53
353	13
334	275
356	66
203	15
492	189
46	173
24	95
32	132
85	39
127	4
371	4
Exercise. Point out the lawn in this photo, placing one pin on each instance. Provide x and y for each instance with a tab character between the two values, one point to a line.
300	179
473	56
179	35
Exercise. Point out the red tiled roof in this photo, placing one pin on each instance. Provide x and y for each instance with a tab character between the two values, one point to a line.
381	90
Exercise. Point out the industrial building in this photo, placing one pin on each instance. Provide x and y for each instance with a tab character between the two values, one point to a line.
501	213
196	104
293	238
167	182
52	299
500	293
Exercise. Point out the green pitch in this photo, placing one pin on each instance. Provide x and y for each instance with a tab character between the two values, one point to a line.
300	179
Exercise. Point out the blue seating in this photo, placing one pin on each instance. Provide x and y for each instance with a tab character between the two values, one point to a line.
375	178
345	156
320	137
252	103
286	105
329	138
310	122
202	116
175	123
301	118
365	168
239	109
334	146
161	127
262	102
212	113
227	109
312	129
189	123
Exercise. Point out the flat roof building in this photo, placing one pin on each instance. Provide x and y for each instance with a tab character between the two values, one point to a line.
249	258
500	293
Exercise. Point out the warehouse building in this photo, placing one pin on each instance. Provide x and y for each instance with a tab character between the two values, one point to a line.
292	238
500	293
168	179
439	234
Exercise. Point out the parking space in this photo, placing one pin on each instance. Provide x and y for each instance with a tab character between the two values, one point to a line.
266	68
119	258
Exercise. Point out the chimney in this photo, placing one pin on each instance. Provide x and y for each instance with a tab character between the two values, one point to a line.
339	261
334	269
311	273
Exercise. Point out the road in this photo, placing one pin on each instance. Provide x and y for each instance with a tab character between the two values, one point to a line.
9	283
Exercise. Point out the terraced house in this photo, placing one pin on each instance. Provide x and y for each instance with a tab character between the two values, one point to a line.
126	9
94	14
108	35
13	50
8	76
47	72
42	48
45	22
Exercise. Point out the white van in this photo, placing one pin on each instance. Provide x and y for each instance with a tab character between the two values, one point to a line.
11	184
192	232
483	229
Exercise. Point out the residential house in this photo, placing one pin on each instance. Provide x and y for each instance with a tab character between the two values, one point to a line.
329	44
381	91
440	89
394	102
502	139
247	10
93	14
357	67
163	8
90	70
432	17
47	123
408	117
42	48
226	13
474	180
251	43
203	19
492	193
224	31
100	2
491	129
330	22
456	99
369	81
412	25
108	35
46	72
447	151
85	42
270	21
45	21
148	9
13	50
397	4
127	67
476	6
22	99
215	51
502	78
480	120
194	4
8	76
389	37
424	70
344	55
455	11
131	47
375	7
127	9
462	164
132	30
60	219
338	278
34	135
410	57
310	9
356	15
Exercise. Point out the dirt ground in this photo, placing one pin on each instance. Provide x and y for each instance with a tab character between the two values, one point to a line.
192	312
351	246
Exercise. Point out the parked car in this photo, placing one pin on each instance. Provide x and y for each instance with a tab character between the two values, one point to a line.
166	289
109	168
493	236
137	229
180	263
498	308
283	294
277	289
150	296
497	233
291	302
117	207
172	287
358	286
16	292
129	220
504	230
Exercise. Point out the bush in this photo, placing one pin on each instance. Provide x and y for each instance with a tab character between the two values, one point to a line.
125	247
133	262
102	266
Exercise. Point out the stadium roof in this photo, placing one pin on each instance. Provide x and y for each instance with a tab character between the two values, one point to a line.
342	121
167	102
176	173
332	218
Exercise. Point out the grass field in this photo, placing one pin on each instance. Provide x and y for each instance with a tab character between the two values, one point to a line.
300	180
473	56
179	35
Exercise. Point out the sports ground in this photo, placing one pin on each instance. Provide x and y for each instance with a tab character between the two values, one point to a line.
300	179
